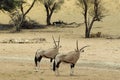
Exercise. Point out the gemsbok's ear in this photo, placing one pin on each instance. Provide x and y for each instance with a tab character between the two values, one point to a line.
82	51
75	50
60	46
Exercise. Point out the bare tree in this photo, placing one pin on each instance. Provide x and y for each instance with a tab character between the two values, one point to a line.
92	11
18	16
51	6
23	14
15	9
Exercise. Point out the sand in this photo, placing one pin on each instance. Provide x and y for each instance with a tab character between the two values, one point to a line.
100	61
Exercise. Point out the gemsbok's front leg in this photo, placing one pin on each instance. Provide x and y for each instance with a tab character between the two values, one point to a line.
51	65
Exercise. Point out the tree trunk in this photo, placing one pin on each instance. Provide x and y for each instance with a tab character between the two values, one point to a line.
22	16
49	12
19	23
88	29
48	20
87	33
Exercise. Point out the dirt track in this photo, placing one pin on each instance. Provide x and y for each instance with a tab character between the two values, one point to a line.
92	64
12	69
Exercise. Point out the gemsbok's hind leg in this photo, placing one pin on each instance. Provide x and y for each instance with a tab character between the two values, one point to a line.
72	69
39	59
37	63
57	66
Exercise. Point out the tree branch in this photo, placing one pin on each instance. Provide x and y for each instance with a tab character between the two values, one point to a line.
53	8
21	7
46	7
96	10
85	11
30	8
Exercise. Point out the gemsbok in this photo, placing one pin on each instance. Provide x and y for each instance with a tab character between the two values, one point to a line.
49	53
70	58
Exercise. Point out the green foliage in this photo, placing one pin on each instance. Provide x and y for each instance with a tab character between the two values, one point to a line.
9	5
91	8
30	24
16	12
51	6
89	3
93	11
27	23
53	3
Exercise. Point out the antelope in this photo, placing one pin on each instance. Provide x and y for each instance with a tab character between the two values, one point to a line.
49	53
70	58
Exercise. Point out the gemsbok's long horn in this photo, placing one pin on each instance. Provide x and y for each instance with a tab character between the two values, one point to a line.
83	47
54	41
77	45
59	41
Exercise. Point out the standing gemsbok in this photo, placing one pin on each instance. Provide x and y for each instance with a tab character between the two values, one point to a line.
49	53
71	58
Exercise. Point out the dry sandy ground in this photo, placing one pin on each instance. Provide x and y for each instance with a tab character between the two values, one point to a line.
100	61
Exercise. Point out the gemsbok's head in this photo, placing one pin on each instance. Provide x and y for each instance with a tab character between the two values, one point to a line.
81	49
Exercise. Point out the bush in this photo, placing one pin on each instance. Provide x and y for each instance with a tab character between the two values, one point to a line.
27	23
30	24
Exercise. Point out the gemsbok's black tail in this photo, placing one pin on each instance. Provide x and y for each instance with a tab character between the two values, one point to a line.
54	65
